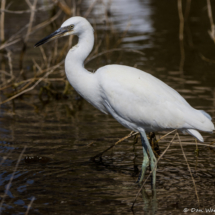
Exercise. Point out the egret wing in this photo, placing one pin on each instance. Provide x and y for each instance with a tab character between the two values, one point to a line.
140	98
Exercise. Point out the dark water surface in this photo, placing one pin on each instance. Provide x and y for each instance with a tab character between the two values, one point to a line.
62	135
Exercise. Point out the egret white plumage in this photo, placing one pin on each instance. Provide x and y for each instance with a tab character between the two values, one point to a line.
136	99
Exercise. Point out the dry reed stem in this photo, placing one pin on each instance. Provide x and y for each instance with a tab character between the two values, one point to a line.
61	52
123	33
198	144
189	168
31	80
32	87
96	49
90	9
24	90
28	84
5	73
55	52
11	178
113	50
37	66
90	143
12	41
29	206
70	41
181	35
48	7
28	3
10	63
210	15
107	9
33	8
74	8
131	134
79	2
206	59
47	22
64	7
3	3
167	134
17	35
6	44
153	170
211	32
44	55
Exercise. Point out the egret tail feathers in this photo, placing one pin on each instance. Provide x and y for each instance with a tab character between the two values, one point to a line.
196	134
200	120
206	114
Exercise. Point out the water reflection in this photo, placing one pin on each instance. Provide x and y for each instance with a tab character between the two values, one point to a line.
150	204
59	130
125	15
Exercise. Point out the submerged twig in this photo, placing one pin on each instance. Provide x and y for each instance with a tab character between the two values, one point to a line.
212	31
188	168
11	178
110	147
29	206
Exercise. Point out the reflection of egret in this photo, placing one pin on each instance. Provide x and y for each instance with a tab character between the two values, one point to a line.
134	98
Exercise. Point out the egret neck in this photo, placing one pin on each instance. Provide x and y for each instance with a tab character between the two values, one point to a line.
81	79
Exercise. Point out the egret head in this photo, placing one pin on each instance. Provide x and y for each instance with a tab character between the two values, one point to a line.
73	26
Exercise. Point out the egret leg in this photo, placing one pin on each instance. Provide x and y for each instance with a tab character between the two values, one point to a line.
145	163
153	159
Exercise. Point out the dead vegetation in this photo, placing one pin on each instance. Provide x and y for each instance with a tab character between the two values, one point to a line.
50	70
15	82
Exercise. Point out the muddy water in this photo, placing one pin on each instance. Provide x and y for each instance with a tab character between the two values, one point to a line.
61	135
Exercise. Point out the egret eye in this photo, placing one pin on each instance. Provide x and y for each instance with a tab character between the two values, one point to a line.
71	26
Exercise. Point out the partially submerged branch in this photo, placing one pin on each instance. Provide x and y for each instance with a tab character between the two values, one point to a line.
212	31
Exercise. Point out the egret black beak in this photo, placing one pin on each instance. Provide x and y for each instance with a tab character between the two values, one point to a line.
59	33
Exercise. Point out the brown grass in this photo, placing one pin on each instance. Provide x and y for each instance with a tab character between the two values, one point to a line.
15	83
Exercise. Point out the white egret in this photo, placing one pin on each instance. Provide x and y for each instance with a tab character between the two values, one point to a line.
136	99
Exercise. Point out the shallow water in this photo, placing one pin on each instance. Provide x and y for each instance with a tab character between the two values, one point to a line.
61	135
